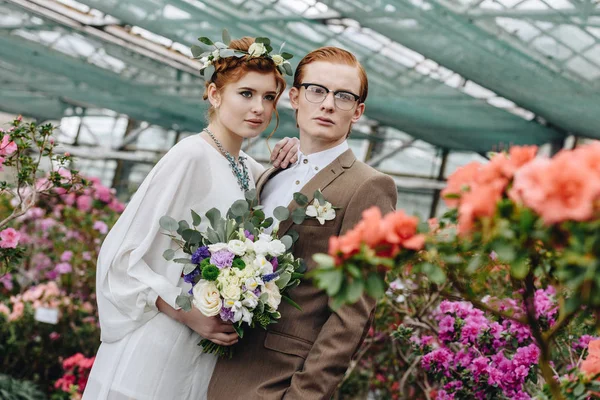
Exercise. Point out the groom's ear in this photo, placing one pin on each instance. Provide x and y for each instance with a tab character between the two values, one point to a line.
294	95
360	109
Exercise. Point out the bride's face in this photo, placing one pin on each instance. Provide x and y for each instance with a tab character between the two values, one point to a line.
245	107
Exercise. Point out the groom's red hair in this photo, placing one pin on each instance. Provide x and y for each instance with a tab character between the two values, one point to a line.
337	56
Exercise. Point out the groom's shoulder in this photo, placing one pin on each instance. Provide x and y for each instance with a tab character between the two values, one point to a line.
363	172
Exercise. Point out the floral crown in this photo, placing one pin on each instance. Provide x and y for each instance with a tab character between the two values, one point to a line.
260	48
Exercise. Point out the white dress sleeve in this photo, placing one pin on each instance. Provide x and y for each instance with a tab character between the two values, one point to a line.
131	272
255	168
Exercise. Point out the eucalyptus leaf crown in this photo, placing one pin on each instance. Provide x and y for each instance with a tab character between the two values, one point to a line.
260	48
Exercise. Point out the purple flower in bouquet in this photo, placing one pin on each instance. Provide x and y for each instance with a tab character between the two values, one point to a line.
275	263
222	259
200	255
226	314
248	235
189	278
269	277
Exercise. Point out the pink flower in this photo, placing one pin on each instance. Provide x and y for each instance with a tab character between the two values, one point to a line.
63	268
101	227
6	281
66	256
54	336
10	238
84	203
87	256
460	181
17	312
7	147
4	309
103	193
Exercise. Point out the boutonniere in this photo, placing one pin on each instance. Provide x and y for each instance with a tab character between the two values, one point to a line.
320	209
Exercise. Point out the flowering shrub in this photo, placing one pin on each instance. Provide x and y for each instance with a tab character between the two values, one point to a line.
76	373
538	218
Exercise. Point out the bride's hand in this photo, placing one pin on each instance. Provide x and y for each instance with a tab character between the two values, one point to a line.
285	152
211	328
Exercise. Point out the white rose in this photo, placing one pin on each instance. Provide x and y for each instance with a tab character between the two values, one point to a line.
232	292
276	248
213	248
249	245
263	265
207	298
261	247
237	247
274	297
265	237
257	49
278	60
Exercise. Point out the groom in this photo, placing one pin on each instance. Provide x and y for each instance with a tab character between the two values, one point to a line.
305	355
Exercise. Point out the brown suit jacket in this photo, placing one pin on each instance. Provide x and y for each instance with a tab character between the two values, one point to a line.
305	355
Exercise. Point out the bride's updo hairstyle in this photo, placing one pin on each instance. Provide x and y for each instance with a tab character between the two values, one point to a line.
232	69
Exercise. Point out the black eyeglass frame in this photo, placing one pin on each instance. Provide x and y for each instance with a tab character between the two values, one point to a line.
306	85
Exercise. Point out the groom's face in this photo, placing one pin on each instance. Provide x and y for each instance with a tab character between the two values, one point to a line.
327	122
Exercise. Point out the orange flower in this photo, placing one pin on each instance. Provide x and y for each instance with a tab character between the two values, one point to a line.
401	229
480	202
459	181
529	184
371	227
591	365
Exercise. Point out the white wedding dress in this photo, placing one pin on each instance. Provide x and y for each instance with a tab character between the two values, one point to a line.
145	354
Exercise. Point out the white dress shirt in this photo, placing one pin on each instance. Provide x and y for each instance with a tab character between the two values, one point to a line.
280	189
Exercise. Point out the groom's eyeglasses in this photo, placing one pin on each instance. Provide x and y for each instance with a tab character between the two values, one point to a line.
317	94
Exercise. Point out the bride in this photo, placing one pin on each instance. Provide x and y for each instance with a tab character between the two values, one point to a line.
149	346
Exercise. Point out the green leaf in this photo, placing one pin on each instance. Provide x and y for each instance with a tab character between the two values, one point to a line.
286	56
283	280
288	69
251	195
226	37
474	264
189	268
519	268
434	273
182	261
224	53
168	223
196	220
354	271
239	330
239	208
355	290
183	225
267	223
213	236
214	216
579	389
185	302
197	51
281	213
263	40
291	302
331	280
295	236
191	236
506	252
206	41
220	46
375	286
319	196
324	260
169	254
208	72
298	216
301	199
287	241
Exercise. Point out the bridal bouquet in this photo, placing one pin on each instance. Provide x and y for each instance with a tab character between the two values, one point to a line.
238	271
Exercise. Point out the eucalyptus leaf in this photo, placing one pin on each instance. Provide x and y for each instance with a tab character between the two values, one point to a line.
191	236
263	40
197	51
226	53
169	254
214	216
298	216
288	69
267	223
295	236
230	229
226	37
281	213
196	220
220	45
239	54
212	236
208	72
183	225
287	241
319	196
301	199
206	41
250	195
239	208
286	56
185	302
168	223
182	261
283	280
189	268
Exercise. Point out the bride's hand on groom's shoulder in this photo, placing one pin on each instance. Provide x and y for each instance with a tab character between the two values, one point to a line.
285	152
211	328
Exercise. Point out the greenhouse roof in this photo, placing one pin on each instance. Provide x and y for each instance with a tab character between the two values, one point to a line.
460	74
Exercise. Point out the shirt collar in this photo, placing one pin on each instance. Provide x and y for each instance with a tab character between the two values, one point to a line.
323	158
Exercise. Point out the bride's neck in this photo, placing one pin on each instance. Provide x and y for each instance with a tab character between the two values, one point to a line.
231	142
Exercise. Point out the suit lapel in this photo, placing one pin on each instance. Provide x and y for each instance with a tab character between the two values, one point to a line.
319	182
